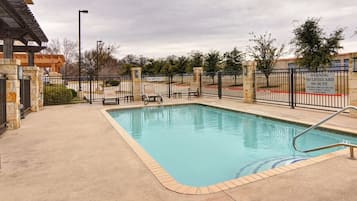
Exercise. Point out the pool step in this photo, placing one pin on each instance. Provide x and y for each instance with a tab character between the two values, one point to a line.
257	166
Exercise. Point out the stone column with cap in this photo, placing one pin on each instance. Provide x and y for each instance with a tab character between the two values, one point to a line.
136	79
36	88
249	82
197	72
9	67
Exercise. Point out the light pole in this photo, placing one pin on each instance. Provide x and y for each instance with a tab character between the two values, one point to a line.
97	64
79	47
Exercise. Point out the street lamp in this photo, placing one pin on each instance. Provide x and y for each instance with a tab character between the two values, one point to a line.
79	47
97	64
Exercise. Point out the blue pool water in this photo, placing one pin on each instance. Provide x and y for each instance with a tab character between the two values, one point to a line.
200	145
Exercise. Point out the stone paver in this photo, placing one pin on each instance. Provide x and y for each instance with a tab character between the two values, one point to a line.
72	153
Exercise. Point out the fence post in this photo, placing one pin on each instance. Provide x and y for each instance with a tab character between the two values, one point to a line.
220	85
291	88
136	79
200	80
170	81
249	82
90	89
352	83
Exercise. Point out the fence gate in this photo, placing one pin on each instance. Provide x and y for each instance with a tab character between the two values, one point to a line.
94	89
2	103
25	95
325	89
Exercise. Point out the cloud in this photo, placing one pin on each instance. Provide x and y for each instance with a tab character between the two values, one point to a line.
162	27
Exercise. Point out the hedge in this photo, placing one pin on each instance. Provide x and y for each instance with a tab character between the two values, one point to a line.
57	94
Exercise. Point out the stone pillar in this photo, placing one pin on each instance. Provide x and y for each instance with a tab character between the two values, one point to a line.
197	71
136	79
10	68
249	82
36	81
353	83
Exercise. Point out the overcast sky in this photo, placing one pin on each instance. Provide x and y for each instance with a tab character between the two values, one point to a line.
158	28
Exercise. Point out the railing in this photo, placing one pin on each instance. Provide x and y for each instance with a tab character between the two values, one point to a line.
295	87
351	146
2	103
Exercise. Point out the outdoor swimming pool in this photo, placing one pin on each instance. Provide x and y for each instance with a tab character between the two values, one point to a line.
201	145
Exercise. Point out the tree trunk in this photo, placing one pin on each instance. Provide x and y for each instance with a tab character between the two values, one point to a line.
181	78
267	78
235	80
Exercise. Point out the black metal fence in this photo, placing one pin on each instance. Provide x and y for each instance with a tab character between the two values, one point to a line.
65	90
301	88
275	88
210	84
232	85
25	95
2	103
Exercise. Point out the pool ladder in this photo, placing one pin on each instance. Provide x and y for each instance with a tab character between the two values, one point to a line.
351	146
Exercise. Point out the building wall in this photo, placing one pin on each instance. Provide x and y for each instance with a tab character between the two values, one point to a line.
339	62
52	62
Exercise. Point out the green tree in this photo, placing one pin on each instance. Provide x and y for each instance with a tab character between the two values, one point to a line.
171	65
233	63
196	60
212	62
265	53
181	66
313	48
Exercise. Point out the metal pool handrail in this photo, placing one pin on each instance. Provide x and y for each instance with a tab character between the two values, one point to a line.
351	146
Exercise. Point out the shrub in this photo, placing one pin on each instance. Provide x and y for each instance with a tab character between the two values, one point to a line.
74	93
112	82
57	94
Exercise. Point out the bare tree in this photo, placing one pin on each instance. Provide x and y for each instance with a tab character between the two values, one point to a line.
53	47
102	59
69	50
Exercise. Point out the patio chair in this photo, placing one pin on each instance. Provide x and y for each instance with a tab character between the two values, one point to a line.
195	93
150	95
193	90
110	96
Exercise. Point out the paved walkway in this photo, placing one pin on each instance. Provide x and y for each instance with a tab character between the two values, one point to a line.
72	153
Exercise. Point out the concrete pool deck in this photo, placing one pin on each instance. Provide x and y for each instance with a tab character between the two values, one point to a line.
72	152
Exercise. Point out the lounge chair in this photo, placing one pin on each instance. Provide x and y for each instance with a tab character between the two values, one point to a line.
150	95
110	96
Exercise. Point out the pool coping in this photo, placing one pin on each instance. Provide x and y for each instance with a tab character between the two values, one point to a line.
170	183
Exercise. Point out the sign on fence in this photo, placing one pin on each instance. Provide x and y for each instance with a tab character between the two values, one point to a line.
320	83
155	79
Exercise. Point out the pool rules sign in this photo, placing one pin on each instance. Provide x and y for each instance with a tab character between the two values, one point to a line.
320	83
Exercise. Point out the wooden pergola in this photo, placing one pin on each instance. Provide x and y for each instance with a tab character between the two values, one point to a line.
17	23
